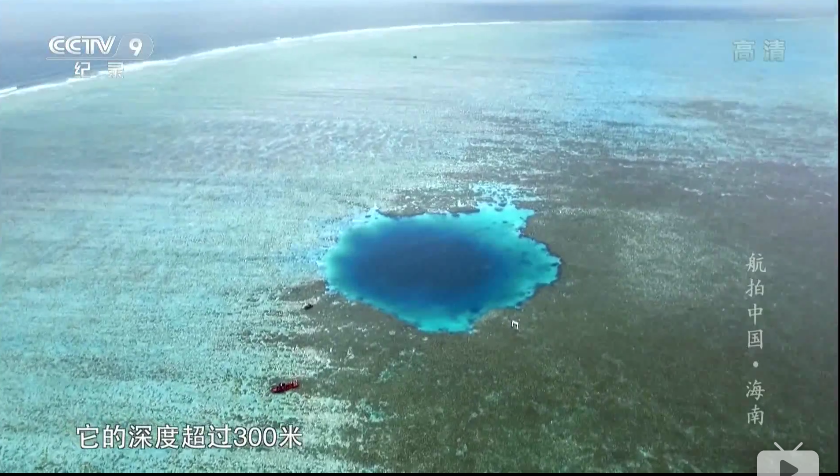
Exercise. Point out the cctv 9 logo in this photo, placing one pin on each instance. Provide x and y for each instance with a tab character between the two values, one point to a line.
136	47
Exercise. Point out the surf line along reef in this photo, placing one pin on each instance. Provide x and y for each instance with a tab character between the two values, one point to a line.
440	272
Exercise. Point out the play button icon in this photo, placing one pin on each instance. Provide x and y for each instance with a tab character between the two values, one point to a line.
788	463
787	469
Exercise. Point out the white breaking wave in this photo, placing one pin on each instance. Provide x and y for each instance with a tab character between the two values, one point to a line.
14	91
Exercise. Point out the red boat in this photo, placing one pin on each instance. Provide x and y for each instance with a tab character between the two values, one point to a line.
285	387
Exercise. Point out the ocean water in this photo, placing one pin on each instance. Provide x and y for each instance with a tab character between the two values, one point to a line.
179	28
441	272
151	225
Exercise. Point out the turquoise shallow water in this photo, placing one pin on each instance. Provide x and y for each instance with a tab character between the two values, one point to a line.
147	221
441	272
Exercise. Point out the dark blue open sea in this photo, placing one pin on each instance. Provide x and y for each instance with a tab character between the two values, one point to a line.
369	208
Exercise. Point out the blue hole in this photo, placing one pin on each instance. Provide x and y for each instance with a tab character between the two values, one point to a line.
437	272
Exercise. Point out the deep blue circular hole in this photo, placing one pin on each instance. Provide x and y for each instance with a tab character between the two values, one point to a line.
441	273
